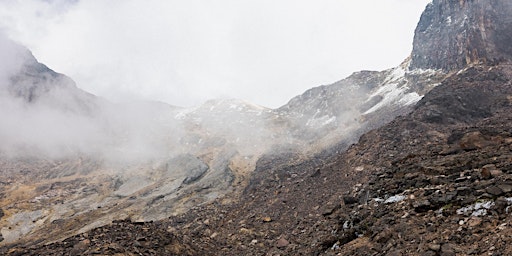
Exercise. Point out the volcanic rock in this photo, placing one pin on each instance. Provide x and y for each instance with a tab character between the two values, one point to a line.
454	34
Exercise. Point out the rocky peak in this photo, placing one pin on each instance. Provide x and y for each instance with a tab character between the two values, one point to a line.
452	34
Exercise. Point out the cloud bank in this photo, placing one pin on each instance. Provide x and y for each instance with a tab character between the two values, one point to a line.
185	52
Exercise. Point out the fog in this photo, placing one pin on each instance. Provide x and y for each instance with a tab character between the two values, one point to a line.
12	56
187	52
45	115
131	53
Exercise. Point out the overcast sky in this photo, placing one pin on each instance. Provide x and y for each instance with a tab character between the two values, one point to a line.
185	52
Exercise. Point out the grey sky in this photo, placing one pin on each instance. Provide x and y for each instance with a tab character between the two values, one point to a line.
184	52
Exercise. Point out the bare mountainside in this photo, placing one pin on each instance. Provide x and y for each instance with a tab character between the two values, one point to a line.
242	179
80	161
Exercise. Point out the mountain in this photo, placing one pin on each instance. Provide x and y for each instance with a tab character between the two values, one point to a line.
147	161
429	172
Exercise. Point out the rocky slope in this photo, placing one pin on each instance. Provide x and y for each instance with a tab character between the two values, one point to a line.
417	186
435	181
83	162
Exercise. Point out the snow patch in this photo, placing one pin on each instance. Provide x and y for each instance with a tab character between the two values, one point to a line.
421	71
396	74
395	199
322	121
184	113
476	209
390	92
393	89
410	98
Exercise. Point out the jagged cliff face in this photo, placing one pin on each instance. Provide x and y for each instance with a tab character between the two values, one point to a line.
452	34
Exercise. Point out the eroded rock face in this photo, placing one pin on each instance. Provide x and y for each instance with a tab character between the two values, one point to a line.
452	34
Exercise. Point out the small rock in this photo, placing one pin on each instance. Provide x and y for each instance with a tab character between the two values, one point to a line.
486	174
330	209
82	245
316	173
473	140
490	170
496	173
494	190
462	179
266	219
348	200
281	243
245	231
464	191
383	236
448	250
434	247
421	206
489	167
506	188
485	196
500	205
474	221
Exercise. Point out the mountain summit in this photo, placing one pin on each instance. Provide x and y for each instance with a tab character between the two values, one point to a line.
452	34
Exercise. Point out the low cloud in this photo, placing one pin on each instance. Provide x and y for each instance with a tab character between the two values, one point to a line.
185	52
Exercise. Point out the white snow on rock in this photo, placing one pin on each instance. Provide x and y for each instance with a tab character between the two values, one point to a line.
321	121
476	209
410	98
395	199
394	90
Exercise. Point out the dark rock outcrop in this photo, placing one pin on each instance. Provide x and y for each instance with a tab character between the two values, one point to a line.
191	166
452	34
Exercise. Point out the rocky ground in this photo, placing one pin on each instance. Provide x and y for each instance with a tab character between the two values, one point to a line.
437	181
